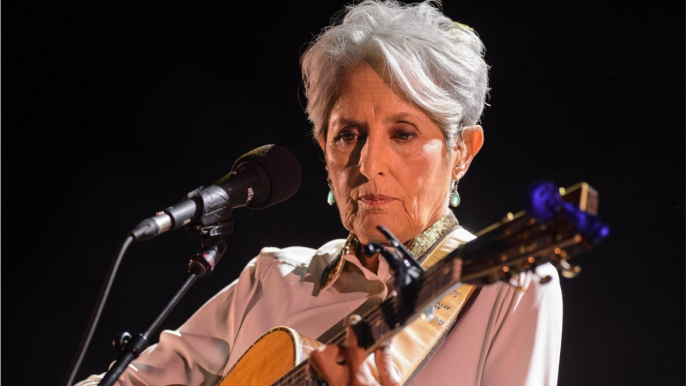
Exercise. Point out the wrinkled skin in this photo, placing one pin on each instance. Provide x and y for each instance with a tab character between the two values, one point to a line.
388	161
388	164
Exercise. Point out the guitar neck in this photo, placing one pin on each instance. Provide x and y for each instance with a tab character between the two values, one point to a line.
516	244
388	318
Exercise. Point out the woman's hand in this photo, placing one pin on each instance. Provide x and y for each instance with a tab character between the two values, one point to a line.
345	366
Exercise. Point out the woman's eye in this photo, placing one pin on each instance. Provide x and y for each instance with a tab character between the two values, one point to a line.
403	135
347	136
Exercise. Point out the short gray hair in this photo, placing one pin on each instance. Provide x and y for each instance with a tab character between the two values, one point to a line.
436	64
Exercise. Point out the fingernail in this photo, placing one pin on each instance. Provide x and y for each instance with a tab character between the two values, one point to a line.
353	320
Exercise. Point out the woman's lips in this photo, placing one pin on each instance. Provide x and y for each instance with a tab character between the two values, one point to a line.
375	199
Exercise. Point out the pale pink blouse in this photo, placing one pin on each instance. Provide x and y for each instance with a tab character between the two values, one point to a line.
507	337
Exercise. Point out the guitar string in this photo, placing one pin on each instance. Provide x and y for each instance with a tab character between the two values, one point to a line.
429	282
299	371
299	374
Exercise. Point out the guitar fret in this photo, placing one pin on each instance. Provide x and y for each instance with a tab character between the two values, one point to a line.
431	284
435	281
504	245
378	327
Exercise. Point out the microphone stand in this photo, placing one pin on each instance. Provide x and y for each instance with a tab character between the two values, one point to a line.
201	264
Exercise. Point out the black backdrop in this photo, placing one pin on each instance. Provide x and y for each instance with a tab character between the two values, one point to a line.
113	111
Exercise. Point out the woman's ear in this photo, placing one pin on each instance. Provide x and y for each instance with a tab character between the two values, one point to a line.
473	137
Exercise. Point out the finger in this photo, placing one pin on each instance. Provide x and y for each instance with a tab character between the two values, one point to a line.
356	355
388	372
350	336
324	363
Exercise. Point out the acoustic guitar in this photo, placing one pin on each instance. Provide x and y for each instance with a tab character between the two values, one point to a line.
558	225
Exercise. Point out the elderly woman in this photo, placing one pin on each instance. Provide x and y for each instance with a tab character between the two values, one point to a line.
394	95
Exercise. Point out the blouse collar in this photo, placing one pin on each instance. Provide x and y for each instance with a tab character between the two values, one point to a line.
420	246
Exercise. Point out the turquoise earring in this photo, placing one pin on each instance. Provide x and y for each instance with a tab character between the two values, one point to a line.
454	197
330	199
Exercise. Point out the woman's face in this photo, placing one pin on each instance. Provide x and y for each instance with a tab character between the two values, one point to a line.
387	160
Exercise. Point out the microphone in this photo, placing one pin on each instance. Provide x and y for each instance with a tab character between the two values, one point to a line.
260	178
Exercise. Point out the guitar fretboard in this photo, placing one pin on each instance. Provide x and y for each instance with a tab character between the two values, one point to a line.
516	245
386	319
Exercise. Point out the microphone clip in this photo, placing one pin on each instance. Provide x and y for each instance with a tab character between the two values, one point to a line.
199	232
216	217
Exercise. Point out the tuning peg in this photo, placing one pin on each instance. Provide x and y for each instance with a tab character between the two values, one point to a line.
569	271
517	285
509	275
545	279
505	273
508	217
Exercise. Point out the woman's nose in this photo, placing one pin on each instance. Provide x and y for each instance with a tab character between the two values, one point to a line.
373	158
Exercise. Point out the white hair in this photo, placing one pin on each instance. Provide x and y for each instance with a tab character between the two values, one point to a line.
435	63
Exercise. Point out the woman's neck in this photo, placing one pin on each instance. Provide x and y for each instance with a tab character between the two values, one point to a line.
418	245
371	263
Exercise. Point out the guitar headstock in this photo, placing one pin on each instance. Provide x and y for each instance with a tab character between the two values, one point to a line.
559	224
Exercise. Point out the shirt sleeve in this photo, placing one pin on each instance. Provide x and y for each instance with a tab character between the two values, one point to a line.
526	333
198	351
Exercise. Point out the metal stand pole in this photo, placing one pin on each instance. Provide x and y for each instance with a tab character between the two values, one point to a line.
131	347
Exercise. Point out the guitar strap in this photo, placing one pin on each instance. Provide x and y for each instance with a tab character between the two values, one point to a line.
415	344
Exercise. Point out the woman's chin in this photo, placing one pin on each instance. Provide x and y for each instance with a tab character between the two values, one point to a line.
367	230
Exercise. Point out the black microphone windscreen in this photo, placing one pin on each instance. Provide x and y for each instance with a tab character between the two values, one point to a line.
282	168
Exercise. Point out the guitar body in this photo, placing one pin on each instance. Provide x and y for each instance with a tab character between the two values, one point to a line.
274	354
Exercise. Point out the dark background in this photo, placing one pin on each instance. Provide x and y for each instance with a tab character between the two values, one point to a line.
114	111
